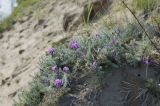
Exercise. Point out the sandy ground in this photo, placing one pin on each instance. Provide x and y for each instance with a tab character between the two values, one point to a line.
121	88
28	39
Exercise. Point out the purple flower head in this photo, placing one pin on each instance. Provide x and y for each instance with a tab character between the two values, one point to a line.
66	69
114	40
97	36
51	51
117	31
147	61
54	68
74	45
58	83
94	65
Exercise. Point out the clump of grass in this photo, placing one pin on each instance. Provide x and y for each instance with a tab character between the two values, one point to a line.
17	13
146	4
153	88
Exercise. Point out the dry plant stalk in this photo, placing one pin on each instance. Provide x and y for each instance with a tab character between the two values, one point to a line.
123	2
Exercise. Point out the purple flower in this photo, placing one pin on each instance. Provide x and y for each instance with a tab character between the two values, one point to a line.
66	69
146	61
117	31
97	36
114	40
51	51
54	68
58	83
94	65
74	45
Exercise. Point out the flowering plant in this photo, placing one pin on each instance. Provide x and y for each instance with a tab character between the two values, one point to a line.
96	54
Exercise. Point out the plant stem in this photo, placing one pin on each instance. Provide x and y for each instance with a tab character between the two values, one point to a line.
141	25
147	71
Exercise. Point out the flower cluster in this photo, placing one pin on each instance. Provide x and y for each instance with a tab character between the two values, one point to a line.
114	40
94	65
74	45
93	51
54	68
97	36
59	82
96	54
147	61
59	70
51	51
66	69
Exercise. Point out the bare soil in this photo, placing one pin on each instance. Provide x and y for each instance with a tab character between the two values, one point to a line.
121	88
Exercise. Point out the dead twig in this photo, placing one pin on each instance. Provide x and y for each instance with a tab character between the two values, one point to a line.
141	26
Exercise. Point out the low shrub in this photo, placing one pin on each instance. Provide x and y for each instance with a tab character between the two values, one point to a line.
107	49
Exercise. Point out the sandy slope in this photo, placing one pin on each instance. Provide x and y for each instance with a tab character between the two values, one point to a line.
28	39
23	44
